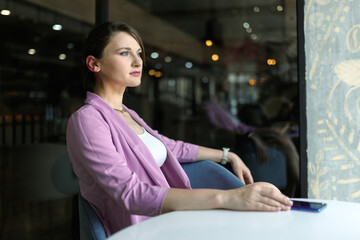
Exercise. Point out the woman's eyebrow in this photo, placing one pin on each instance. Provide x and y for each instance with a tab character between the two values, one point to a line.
123	48
126	48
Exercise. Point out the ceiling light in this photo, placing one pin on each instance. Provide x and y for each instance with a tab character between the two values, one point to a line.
62	56
246	25
70	45
279	8
168	59
205	79
254	37
188	65
256	9
215	57
158	66
154	55
31	51
252	82
158	74
57	27
152	72
271	62
5	12
208	43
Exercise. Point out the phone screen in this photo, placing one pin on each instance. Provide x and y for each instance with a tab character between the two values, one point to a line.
308	206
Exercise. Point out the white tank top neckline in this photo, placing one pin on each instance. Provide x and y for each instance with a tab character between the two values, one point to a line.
155	146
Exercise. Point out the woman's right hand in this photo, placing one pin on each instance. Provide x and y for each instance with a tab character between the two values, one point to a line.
259	196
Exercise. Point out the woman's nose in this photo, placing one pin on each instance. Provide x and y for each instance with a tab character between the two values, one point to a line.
137	61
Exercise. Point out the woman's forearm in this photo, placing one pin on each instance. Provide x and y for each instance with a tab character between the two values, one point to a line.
205	153
192	199
254	197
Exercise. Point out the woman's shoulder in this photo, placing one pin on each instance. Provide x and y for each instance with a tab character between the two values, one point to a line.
87	113
88	120
86	109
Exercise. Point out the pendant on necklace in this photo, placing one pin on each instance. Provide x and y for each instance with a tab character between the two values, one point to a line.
120	110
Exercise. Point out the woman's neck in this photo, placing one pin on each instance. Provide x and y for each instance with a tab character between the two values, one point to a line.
114	97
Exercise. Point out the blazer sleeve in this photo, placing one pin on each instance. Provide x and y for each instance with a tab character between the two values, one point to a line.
93	153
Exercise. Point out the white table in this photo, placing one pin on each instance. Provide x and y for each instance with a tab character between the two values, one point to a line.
340	220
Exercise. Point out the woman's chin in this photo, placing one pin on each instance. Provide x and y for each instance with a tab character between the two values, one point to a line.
135	84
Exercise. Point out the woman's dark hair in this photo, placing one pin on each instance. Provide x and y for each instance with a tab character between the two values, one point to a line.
96	42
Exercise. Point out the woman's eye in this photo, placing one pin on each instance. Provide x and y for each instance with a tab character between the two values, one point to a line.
124	53
139	54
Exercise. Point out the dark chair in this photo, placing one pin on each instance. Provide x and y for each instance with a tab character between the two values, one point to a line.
90	226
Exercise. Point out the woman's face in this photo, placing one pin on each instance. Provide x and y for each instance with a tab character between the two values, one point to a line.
121	64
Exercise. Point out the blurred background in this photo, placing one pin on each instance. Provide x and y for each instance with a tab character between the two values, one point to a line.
242	52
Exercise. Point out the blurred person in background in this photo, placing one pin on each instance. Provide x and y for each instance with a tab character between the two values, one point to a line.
264	138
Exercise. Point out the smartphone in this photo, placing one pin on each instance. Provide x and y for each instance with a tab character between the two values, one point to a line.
308	206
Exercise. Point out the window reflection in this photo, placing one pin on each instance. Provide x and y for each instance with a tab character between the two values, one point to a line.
251	45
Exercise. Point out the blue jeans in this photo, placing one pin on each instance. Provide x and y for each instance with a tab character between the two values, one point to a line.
207	174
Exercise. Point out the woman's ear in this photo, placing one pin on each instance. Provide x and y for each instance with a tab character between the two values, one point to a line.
92	64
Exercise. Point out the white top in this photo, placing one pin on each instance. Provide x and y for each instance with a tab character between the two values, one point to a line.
339	220
155	146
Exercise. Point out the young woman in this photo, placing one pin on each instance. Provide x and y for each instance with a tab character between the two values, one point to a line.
127	171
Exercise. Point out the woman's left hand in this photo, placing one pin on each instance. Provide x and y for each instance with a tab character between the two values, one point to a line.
240	169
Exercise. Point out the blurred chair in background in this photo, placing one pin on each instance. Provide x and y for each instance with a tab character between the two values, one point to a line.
35	176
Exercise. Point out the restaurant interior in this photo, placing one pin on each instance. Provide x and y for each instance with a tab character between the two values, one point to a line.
193	49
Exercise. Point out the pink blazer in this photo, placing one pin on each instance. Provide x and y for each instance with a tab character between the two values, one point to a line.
117	174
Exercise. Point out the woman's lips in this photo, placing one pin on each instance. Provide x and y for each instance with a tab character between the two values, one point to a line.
135	73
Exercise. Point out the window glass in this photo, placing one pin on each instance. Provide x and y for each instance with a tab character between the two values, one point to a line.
240	54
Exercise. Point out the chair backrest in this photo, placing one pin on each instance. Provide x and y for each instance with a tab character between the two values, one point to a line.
38	172
90	226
